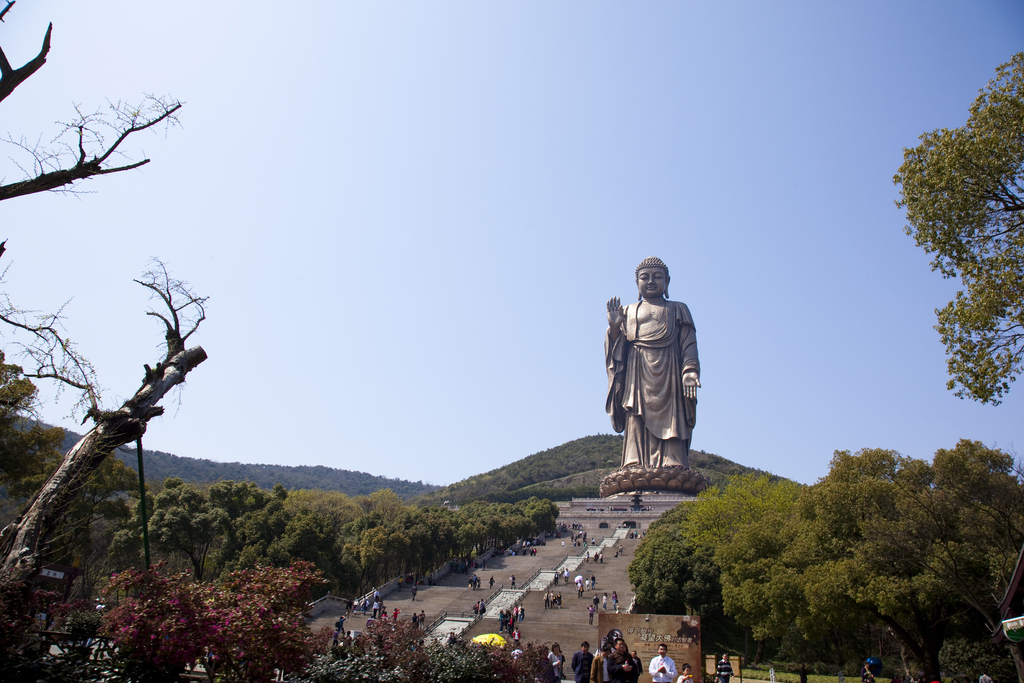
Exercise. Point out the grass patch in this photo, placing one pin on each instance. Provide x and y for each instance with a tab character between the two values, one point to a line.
783	677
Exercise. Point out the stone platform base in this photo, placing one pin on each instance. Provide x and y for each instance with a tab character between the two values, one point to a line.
633	478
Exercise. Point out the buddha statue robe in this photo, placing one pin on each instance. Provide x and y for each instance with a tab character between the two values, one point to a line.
646	363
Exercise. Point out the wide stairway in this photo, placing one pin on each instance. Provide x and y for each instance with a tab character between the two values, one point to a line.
567	626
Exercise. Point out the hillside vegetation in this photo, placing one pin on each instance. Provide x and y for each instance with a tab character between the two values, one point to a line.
160	465
572	470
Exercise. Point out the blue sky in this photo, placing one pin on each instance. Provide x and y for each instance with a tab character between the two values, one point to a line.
409	216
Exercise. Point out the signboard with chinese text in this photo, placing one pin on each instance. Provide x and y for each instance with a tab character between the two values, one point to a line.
644	633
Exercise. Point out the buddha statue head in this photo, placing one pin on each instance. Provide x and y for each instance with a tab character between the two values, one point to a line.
652	279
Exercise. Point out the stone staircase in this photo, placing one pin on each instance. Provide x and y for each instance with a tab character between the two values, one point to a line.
452	594
569	625
534	574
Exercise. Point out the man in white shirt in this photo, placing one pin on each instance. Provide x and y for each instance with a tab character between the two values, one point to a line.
662	668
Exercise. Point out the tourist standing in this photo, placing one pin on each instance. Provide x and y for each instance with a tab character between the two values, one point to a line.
599	669
557	660
662	668
582	662
547	674
724	669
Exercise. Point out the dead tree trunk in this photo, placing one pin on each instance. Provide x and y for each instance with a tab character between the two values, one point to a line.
23	543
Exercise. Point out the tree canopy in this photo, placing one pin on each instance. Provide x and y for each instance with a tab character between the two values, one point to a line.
963	190
24	445
922	550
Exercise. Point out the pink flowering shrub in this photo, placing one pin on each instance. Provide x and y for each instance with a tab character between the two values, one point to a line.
243	630
387	652
525	666
260	622
397	645
166	624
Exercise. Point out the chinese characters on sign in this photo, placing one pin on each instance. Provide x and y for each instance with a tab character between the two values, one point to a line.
645	632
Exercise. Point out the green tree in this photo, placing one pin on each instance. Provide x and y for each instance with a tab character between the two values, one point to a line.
848	518
711	527
385	503
759	588
256	531
25	446
963	190
240	502
125	550
912	545
383	552
185	523
721	512
541	512
340	508
433	535
971	658
672	576
309	536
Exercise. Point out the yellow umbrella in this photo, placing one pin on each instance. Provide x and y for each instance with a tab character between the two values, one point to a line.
489	639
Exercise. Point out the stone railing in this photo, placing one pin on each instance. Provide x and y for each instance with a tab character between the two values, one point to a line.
317	607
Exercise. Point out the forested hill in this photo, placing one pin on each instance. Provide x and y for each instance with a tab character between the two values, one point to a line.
574	469
161	465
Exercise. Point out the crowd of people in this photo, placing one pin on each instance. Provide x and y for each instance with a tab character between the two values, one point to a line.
508	619
616	663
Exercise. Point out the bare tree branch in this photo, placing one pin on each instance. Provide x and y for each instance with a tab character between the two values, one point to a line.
11	78
185	308
90	154
40	339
